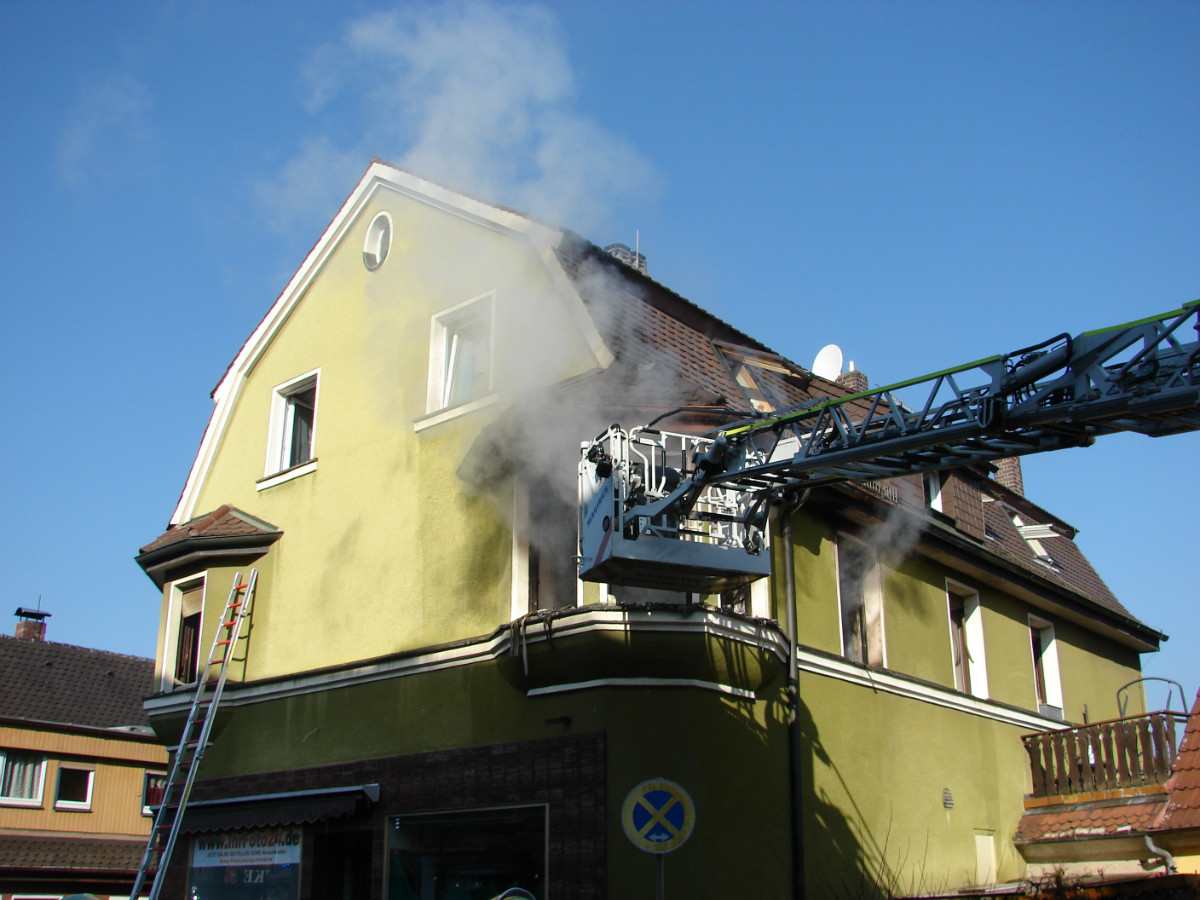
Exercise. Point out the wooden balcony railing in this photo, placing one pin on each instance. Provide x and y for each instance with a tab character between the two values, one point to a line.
1104	756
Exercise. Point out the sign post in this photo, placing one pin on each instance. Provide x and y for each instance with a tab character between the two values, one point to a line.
658	817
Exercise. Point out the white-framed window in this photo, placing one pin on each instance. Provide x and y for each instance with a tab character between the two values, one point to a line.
966	641
460	354
860	603
291	436
378	241
22	778
181	649
74	788
1046	678
933	490
154	785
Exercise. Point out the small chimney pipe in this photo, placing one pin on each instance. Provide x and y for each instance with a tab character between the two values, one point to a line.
32	624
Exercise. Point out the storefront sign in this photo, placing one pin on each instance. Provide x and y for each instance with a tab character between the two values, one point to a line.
261	847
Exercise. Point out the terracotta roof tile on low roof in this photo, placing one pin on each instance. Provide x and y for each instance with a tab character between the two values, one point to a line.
60	683
1090	821
224	521
69	854
1183	787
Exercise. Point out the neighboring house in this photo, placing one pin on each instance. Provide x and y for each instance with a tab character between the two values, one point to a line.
1112	799
79	766
429	702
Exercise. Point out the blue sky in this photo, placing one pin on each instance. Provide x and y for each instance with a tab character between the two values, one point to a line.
922	183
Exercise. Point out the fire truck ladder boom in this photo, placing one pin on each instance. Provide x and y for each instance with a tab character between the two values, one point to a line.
1140	377
688	512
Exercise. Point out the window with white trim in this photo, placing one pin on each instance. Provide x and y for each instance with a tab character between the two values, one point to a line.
291	439
377	242
181	651
22	777
1046	677
460	354
860	603
74	790
966	641
154	785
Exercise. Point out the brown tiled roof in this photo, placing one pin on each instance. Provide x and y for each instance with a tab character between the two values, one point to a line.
1183	787
225	521
1090	821
1069	567
26	854
63	684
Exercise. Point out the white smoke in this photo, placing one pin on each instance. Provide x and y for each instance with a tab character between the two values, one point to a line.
477	95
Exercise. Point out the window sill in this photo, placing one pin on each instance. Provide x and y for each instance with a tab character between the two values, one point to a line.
437	417
72	806
270	481
17	801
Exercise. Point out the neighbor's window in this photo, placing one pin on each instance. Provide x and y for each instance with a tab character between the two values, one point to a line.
290	441
21	778
477	853
460	354
154	785
74	788
860	603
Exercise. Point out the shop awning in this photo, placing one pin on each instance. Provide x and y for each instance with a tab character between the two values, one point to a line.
271	810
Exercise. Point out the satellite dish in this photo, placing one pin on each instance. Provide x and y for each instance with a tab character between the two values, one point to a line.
828	364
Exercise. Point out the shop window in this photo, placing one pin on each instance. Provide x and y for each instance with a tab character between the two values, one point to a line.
460	355
860	603
477	853
74	791
22	775
246	865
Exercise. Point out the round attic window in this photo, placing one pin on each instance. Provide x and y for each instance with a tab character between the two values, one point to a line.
378	242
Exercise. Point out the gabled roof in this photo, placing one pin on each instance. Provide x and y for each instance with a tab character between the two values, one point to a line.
67	685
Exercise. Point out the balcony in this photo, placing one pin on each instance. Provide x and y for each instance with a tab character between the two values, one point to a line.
1122	755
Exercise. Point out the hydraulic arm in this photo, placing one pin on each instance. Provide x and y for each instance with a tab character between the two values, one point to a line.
660	509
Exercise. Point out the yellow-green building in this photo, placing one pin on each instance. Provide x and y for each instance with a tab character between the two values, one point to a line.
429	703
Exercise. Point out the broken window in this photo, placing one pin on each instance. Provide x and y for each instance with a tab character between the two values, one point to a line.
860	603
183	643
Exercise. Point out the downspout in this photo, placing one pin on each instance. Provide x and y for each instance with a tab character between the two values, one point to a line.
1166	857
791	503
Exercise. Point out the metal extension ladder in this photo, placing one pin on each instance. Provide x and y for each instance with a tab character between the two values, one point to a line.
194	740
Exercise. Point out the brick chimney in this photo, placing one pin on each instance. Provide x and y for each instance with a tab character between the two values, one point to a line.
32	626
854	381
1008	474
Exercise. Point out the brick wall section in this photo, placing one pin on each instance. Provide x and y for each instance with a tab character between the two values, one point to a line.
566	773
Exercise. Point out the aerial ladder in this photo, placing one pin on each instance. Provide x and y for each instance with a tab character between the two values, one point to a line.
659	509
